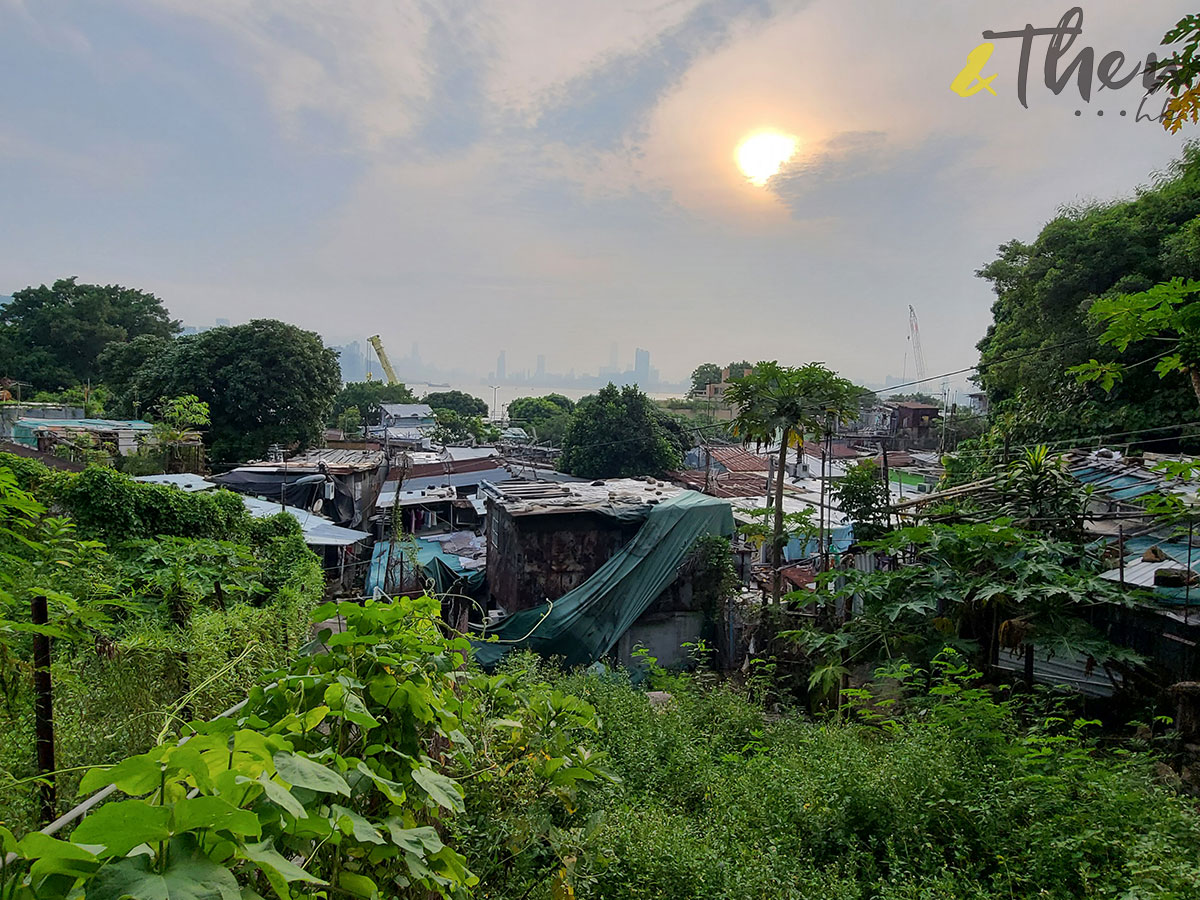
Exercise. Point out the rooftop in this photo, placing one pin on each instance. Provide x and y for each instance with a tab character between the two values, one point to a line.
408	410
737	459
629	495
86	424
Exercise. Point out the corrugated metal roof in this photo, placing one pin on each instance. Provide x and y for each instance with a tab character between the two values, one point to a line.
736	459
88	424
318	531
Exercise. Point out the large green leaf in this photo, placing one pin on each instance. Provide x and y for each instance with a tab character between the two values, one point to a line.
119	827
281	796
265	856
216	813
303	772
442	790
188	877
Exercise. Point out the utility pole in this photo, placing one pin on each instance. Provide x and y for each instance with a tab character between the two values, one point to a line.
43	707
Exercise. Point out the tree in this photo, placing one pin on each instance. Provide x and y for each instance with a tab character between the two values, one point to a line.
737	370
367	396
176	426
617	433
704	375
977	587
784	403
1168	313
566	404
118	364
1179	73
265	382
453	428
863	497
1041	326
547	419
59	332
462	403
350	422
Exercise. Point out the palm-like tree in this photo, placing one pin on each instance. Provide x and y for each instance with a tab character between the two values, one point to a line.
784	402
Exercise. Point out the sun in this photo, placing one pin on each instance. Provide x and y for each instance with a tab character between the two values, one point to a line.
762	155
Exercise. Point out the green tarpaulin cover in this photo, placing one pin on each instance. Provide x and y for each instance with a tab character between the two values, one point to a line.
586	623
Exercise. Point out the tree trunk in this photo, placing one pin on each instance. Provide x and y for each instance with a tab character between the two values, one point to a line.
777	544
1194	374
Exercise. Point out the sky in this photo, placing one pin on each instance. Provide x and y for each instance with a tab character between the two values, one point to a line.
551	178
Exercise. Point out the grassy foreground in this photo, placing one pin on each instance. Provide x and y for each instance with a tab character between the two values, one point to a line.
954	795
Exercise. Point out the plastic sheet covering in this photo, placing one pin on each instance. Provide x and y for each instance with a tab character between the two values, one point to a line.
585	624
443	566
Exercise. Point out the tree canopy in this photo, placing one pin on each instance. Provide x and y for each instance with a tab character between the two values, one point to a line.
458	401
785	403
1044	291
56	334
617	433
265	383
546	417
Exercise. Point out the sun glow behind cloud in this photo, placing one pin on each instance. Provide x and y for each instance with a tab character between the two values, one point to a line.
762	155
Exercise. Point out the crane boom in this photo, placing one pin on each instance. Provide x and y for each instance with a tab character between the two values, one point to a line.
375	342
914	334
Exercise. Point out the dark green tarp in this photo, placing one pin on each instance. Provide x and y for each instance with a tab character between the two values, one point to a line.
586	623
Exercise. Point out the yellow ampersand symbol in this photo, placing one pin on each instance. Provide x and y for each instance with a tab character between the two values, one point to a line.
968	82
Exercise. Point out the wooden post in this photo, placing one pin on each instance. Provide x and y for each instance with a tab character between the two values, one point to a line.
1121	551
43	710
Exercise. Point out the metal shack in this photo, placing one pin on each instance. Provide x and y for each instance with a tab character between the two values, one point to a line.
601	549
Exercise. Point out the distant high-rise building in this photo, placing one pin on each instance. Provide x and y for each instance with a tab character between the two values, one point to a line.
222	323
353	362
541	366
501	367
641	366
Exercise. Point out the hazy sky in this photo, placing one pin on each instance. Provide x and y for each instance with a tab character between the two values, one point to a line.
550	177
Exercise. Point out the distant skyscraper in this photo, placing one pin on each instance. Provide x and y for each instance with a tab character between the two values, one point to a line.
501	367
641	366
222	323
541	366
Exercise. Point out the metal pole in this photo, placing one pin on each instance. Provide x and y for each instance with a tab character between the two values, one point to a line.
43	708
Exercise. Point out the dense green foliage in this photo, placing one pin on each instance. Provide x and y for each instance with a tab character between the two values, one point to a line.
862	496
452	428
1041	326
182	610
919	794
618	432
784	404
334	780
265	383
52	336
710	373
457	401
546	417
366	397
976	587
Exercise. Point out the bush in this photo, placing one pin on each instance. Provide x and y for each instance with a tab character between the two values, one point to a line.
960	795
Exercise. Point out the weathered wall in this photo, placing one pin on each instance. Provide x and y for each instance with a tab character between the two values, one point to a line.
538	557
